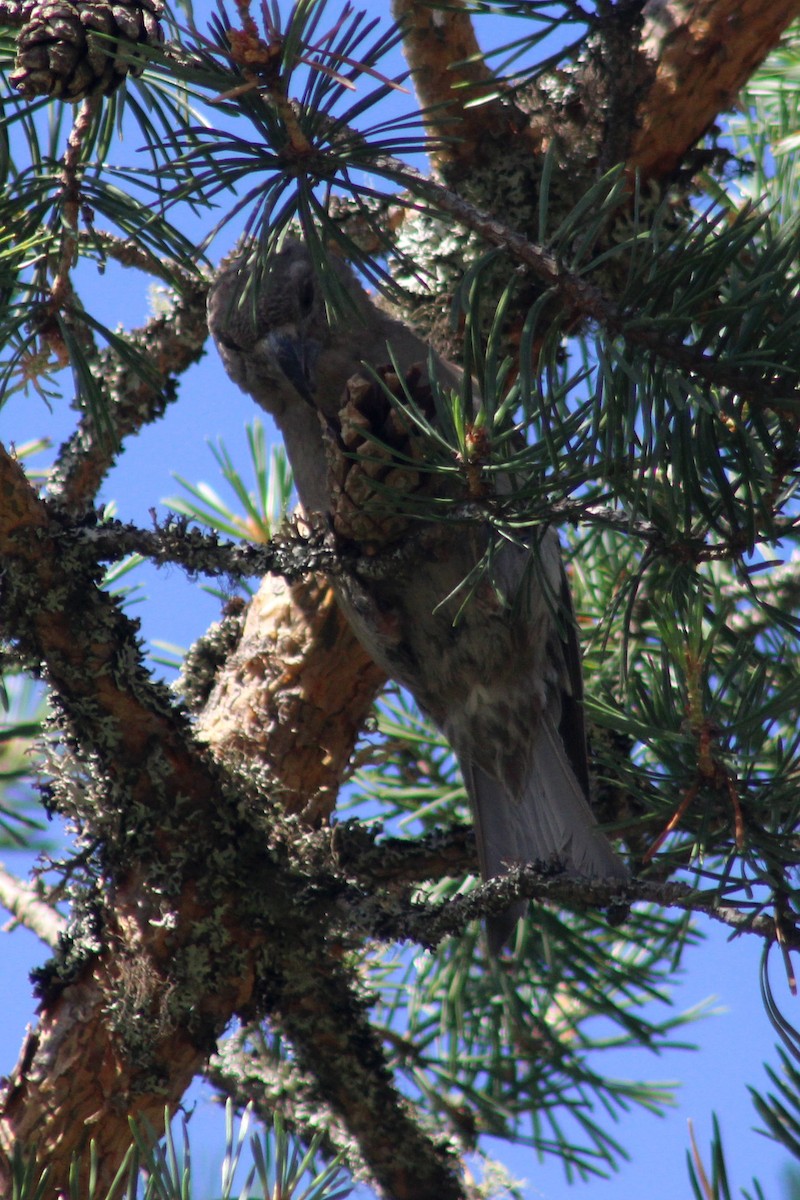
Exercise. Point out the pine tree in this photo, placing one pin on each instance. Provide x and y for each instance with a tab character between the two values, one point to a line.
617	272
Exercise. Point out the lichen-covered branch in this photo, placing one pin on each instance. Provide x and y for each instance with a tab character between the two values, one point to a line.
76	1077
169	343
250	1069
649	87
583	299
328	1024
204	912
299	550
130	253
296	552
361	853
429	924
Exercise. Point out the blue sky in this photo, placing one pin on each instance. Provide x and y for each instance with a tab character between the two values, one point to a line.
732	1044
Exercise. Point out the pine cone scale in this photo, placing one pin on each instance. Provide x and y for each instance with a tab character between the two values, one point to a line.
59	54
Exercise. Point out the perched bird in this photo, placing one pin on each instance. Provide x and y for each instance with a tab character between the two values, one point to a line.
496	667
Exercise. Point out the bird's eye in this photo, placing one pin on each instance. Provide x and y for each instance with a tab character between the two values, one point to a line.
305	298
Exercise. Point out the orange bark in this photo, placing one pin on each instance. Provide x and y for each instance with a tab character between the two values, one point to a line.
701	54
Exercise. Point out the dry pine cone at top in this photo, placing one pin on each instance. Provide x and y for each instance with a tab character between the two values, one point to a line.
59	53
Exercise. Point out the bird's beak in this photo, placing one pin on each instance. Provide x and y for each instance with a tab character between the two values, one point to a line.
296	357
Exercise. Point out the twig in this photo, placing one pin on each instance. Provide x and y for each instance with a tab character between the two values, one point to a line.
70	197
24	902
129	252
294	555
301	549
581	299
430	923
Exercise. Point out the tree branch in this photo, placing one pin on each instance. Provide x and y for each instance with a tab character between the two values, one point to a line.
448	71
429	924
585	300
684	68
328	1024
25	903
250	1070
300	550
700	55
170	343
76	1078
293	695
192	932
296	552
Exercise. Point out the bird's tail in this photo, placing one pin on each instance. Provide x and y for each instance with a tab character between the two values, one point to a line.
548	818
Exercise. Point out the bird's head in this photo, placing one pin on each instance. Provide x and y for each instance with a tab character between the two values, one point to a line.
273	332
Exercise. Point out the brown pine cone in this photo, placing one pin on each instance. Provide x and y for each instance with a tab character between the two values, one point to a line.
373	451
59	54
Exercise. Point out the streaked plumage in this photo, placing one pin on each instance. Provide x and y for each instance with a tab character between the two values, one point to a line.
500	675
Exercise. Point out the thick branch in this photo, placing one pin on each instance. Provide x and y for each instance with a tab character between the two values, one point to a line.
327	1023
701	54
647	110
124	1035
449	76
75	1079
293	695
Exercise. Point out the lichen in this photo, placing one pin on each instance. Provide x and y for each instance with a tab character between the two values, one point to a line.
205	657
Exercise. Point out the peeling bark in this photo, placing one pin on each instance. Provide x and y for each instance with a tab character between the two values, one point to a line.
700	54
294	694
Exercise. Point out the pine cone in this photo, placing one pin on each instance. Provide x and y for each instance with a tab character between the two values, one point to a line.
59	54
376	459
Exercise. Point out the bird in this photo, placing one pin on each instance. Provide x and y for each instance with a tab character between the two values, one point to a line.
496	666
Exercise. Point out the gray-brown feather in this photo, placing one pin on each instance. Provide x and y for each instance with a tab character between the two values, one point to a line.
501	678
